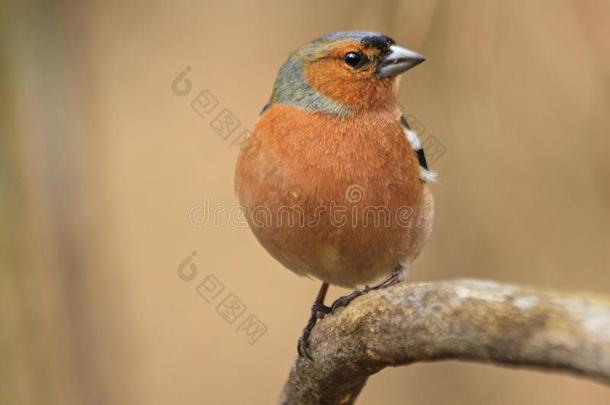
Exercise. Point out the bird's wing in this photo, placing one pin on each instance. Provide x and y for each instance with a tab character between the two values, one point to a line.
425	174
265	108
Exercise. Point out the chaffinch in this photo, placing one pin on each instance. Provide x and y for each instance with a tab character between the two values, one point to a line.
333	180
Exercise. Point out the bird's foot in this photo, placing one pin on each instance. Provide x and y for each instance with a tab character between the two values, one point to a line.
344	301
318	311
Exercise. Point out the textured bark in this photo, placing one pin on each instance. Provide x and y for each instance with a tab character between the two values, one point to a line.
463	319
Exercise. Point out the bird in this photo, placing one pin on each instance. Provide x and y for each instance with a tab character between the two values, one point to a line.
333	181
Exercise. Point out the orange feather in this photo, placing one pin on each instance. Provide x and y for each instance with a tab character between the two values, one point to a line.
294	178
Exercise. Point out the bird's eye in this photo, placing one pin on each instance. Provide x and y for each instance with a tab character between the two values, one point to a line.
354	59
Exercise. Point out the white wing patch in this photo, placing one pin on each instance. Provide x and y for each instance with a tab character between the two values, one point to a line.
424	174
427	175
413	139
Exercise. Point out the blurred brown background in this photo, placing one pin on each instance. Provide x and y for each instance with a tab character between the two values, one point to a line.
102	162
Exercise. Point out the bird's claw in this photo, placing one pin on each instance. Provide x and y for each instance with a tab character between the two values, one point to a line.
346	299
318	311
303	345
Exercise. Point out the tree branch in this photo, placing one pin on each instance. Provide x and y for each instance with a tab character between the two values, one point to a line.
463	319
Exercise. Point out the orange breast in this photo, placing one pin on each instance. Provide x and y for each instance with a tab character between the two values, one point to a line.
334	198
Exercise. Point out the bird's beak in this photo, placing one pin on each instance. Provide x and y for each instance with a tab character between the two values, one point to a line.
399	60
